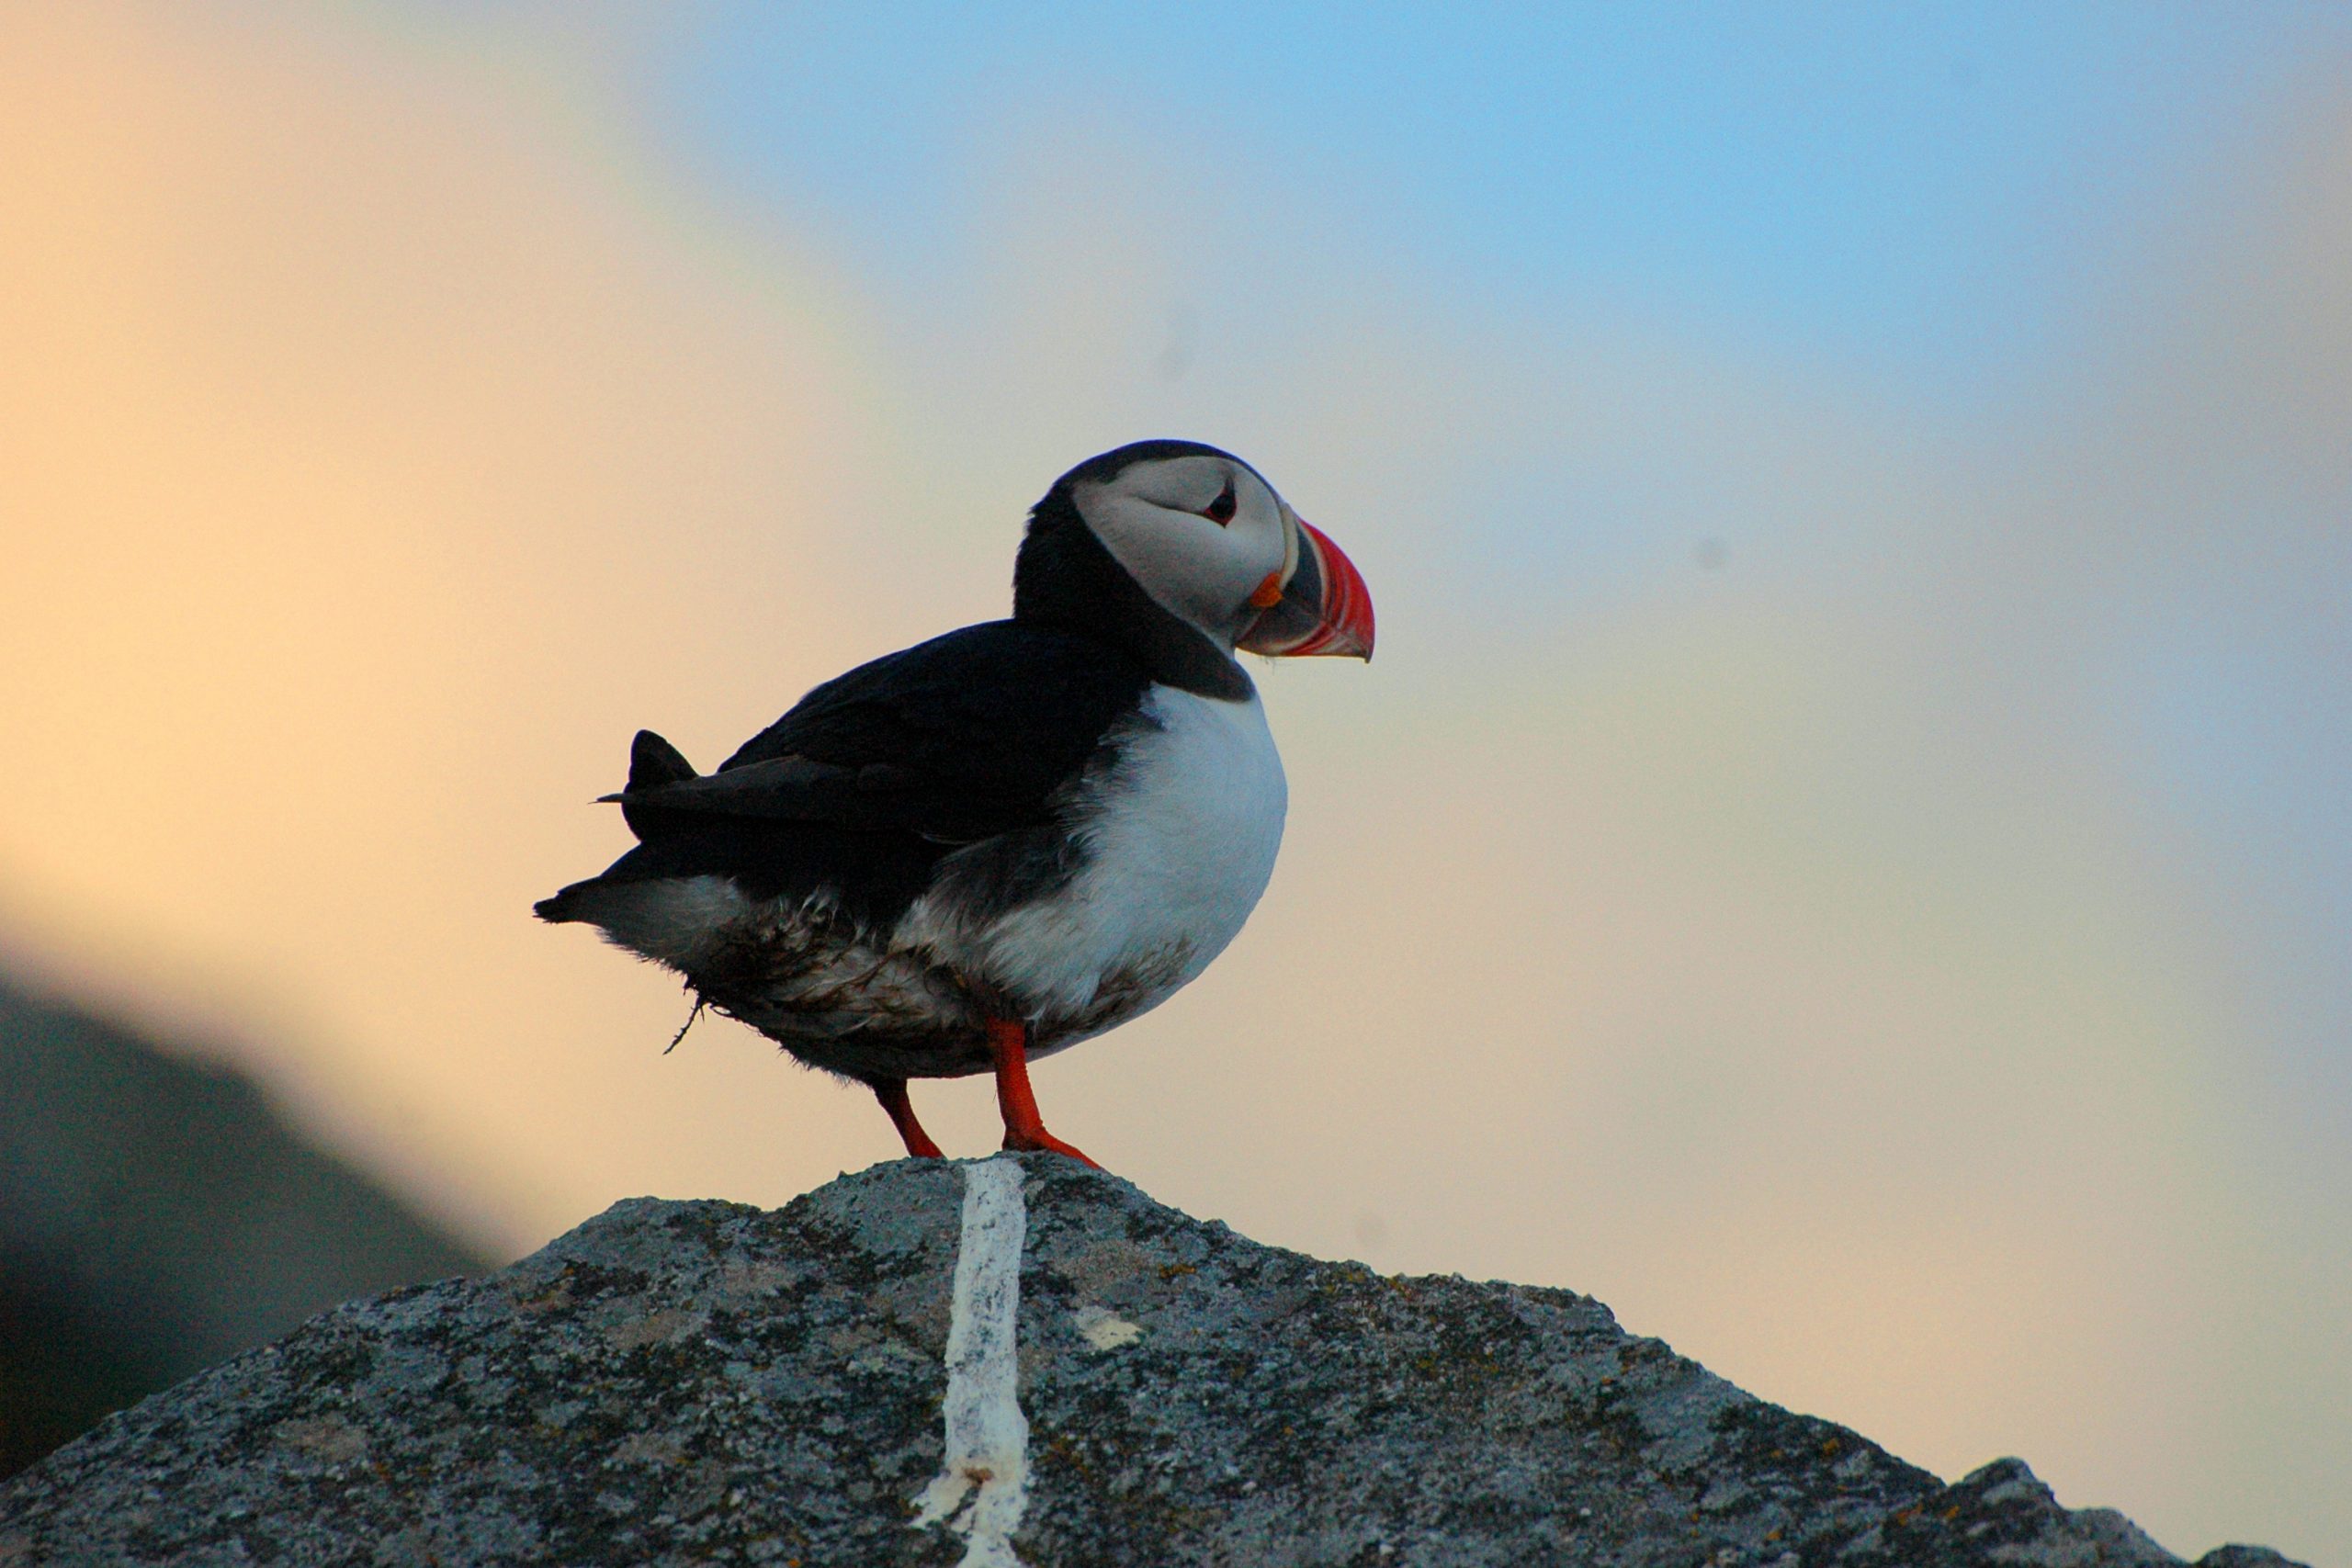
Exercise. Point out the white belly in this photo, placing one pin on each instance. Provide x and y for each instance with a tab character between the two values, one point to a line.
1183	842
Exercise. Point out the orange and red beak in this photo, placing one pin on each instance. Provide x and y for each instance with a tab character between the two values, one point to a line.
1324	608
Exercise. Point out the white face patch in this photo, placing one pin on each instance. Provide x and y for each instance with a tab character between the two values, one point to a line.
1156	520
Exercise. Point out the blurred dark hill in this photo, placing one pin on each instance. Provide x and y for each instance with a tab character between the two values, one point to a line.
158	1215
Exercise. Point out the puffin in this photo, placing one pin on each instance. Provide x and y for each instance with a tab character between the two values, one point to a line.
969	855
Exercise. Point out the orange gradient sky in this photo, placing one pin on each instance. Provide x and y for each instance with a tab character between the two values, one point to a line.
1782	951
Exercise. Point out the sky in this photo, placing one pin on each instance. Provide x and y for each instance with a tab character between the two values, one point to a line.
1844	852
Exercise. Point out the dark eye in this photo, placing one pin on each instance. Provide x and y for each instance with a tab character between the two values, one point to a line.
1220	511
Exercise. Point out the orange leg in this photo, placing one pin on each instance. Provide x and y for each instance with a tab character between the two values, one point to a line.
1024	1128
892	1093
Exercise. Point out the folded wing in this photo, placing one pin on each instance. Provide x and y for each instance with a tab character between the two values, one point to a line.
870	779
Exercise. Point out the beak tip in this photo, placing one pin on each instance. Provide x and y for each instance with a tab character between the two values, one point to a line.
1347	604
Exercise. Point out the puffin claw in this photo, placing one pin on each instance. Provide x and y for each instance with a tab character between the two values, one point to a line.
1024	1128
1038	1141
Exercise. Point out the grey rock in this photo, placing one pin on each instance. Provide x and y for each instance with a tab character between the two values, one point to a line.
705	1382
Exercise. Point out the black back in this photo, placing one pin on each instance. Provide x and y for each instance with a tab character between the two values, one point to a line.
873	777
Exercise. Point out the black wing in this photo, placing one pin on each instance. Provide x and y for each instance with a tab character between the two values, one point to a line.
875	775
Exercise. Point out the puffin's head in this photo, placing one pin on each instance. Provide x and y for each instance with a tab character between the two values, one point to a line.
1201	538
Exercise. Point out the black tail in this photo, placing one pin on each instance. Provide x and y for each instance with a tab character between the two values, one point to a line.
653	761
653	764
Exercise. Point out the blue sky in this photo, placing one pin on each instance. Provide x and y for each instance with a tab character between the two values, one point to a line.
1910	185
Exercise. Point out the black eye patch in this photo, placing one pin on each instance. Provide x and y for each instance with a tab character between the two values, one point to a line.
1220	511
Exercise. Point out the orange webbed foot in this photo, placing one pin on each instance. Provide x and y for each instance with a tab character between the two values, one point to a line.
1036	1139
1024	1128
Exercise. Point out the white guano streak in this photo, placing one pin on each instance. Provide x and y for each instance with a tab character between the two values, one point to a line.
987	1437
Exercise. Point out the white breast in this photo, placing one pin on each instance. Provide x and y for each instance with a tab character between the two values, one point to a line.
1182	840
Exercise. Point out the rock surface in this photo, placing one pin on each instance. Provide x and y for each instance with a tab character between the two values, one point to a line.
706	1382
